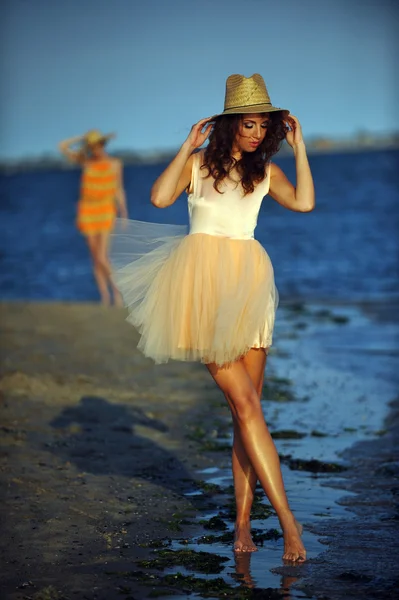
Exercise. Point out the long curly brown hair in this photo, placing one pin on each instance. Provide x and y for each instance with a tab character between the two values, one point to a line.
218	158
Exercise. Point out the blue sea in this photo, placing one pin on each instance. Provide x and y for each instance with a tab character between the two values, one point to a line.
346	250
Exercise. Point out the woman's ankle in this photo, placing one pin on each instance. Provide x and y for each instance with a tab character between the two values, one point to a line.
286	519
243	522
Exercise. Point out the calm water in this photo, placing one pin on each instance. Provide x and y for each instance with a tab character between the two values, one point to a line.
347	249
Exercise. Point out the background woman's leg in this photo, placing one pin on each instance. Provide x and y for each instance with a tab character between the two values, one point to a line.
100	274
244	402
105	263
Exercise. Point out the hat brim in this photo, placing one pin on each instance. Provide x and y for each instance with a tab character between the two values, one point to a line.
254	109
101	140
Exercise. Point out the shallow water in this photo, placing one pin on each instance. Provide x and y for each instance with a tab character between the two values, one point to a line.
347	249
341	377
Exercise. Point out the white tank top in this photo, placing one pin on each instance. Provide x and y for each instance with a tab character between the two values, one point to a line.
229	214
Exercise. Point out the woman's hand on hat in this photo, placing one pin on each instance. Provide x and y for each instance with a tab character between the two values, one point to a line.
294	134
198	135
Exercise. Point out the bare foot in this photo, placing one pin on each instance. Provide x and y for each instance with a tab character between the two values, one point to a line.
294	550
243	539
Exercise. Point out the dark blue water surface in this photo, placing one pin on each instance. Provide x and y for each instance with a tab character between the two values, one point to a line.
347	249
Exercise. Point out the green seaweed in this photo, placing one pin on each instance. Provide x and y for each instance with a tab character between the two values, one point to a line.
274	393
258	535
223	538
163	543
259	510
209	488
214	446
381	432
279	389
316	433
175	526
209	440
197	434
200	562
287	434
297	308
214	523
48	593
188	584
328	315
340	319
207	588
312	465
279	380
124	589
175	523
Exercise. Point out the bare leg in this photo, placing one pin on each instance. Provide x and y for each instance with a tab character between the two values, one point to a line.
244	402
100	275
104	260
243	472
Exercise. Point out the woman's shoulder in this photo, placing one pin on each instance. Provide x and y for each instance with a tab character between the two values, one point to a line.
194	161
108	163
273	169
198	155
199	158
111	162
116	164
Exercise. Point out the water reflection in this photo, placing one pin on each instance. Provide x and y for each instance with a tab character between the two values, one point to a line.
244	576
243	568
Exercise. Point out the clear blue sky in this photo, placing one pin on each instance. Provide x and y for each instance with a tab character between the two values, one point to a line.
148	69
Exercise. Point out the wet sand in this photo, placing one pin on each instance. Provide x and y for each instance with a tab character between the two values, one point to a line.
362	559
106	456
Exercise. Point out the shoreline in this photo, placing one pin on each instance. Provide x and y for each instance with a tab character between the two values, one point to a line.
13	166
106	455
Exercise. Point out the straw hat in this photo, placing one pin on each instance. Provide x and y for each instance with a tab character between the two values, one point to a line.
94	136
247	95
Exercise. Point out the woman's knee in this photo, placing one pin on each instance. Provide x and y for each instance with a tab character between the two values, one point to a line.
245	406
99	261
96	259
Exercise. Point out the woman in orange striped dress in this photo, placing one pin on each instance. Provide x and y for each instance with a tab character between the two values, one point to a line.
102	197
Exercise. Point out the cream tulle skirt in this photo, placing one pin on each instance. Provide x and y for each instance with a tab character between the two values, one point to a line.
194	297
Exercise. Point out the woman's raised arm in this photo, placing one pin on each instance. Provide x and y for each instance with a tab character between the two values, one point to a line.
65	148
302	197
177	175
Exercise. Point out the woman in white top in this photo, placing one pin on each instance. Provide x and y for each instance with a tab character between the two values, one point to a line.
210	296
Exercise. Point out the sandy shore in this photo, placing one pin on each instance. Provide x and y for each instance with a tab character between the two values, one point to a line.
102	455
94	446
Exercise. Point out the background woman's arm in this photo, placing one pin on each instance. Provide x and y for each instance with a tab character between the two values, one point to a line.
65	148
302	197
120	193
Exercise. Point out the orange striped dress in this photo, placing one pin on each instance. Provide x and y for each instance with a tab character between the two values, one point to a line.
97	203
